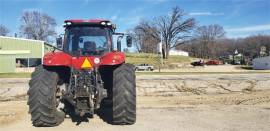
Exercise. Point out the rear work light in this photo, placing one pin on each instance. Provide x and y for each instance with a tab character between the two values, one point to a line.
103	23
106	23
67	23
109	23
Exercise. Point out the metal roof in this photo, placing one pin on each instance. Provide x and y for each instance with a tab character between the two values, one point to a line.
15	38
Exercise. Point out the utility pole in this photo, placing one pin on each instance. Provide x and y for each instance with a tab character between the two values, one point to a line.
159	53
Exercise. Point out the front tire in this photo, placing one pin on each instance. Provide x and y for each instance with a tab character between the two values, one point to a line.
42	98
124	95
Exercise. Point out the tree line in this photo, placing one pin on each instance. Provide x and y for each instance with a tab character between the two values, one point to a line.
250	47
178	31
174	31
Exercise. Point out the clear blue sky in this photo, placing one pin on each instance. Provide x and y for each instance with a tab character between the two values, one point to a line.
239	18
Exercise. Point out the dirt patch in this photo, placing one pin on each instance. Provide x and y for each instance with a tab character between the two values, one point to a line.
201	84
13	88
12	112
193	102
162	113
255	98
210	68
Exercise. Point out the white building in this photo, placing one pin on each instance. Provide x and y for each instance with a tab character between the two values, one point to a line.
178	52
262	63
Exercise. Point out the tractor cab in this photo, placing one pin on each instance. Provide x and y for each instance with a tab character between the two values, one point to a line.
89	38
87	42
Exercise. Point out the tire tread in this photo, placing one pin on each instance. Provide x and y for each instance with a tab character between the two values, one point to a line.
124	95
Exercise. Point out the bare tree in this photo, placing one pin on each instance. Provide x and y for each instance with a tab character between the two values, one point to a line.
174	29
146	37
207	35
37	25
3	30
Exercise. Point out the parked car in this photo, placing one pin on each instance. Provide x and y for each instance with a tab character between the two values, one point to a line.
213	62
144	67
197	63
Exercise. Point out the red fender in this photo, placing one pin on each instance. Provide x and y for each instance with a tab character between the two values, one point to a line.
113	58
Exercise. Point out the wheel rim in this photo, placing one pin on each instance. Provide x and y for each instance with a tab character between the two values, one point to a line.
57	99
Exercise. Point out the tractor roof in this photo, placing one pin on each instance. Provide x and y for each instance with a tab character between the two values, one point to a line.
94	21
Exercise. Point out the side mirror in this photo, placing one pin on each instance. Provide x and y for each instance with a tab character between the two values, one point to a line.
129	41
119	43
59	42
81	40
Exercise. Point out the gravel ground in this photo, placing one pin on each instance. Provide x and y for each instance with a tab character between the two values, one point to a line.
210	68
186	102
153	116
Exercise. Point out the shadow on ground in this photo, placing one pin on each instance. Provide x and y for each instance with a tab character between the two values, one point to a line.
104	113
75	118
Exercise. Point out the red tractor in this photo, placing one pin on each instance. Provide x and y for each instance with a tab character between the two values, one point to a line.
85	72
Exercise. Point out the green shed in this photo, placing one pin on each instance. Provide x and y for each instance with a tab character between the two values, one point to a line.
19	52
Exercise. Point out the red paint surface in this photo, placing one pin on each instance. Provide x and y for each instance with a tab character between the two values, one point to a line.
64	59
213	62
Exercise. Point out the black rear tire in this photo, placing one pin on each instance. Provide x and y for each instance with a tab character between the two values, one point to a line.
42	101
124	95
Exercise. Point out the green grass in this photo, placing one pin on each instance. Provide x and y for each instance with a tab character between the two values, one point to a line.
15	75
154	59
